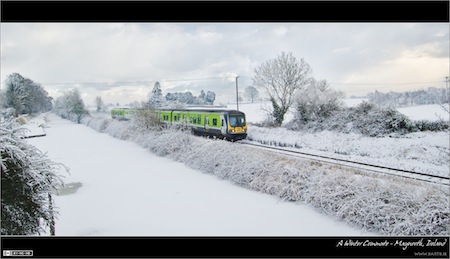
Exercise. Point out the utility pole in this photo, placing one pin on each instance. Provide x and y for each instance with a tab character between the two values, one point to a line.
447	90
237	94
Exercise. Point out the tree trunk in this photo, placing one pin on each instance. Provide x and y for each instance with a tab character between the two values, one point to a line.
52	218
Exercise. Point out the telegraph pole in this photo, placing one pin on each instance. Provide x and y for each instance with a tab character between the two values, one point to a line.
237	94
447	90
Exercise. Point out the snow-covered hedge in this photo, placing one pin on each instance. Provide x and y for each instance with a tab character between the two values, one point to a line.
366	119
381	205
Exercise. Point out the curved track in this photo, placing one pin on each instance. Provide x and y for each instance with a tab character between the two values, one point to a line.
442	180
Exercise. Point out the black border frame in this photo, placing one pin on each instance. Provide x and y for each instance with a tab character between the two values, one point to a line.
227	247
223	11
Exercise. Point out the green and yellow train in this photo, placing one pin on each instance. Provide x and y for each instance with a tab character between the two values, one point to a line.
227	124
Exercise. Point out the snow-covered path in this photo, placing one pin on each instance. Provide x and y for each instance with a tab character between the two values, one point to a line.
127	191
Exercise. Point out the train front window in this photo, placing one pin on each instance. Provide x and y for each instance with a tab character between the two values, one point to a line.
237	121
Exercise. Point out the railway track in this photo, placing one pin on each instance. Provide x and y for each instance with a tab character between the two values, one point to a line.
435	179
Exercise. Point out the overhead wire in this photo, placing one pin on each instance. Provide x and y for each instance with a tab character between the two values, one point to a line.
135	82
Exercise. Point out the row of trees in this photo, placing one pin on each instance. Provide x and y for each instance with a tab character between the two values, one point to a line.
24	96
431	95
156	98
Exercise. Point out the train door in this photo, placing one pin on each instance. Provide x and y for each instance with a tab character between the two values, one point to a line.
206	123
223	126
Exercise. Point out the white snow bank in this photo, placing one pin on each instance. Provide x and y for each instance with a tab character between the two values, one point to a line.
33	126
430	112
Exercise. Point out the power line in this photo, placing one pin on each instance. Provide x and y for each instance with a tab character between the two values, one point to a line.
137	82
387	84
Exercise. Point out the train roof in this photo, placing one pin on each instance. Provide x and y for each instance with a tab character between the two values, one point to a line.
193	109
202	110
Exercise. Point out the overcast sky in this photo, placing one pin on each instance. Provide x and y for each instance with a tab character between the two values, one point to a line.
121	61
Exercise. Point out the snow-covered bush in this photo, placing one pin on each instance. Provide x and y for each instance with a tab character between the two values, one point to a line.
366	119
146	119
381	205
28	180
317	101
424	125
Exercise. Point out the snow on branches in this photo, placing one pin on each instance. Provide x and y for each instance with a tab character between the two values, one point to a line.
28	180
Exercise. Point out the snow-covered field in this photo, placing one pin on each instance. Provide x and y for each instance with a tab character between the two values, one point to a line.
117	187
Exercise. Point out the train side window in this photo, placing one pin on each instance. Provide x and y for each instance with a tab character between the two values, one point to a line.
214	122
195	120
199	119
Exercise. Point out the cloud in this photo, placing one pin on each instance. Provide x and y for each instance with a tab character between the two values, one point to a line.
123	60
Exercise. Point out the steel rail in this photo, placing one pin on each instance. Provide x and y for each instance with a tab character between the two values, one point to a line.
370	167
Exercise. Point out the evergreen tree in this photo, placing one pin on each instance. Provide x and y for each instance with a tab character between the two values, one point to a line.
156	99
202	97
99	103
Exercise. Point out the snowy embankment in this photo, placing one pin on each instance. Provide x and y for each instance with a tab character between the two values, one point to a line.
423	152
388	206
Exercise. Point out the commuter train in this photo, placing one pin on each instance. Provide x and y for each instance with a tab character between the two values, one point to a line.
227	124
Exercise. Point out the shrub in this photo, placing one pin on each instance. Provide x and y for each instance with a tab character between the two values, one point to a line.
28	179
367	119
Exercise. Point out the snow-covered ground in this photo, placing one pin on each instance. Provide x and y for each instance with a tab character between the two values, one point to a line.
118	188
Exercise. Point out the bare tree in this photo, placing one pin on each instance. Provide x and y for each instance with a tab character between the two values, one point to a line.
251	92
71	106
281	78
